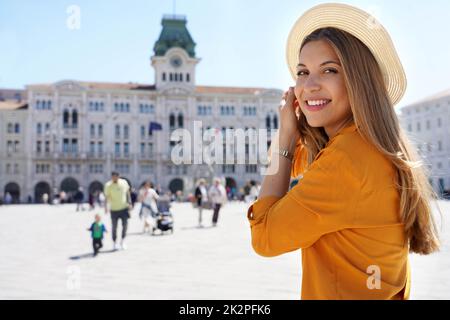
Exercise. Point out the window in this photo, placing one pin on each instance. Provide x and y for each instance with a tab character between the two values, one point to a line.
39	128
172	121
268	122
92	147
74	145
65	145
92	131
10	128
38	146
188	77
100	147
142	149
117	148
47	127
126	148
117	131
74	119
100	130
17	128
150	149
142	131
47	146
418	126
275	122
125	131
66	119
164	76
180	121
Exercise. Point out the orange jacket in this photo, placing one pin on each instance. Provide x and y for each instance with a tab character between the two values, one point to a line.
344	215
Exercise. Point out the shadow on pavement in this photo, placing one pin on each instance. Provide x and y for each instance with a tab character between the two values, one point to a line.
90	255
197	227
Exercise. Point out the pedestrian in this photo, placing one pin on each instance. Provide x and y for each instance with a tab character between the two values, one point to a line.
79	197
118	199
97	230
254	191
8	198
149	210
218	196
362	203
201	198
45	198
91	201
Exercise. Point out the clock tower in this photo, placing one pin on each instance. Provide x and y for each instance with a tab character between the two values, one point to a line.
174	57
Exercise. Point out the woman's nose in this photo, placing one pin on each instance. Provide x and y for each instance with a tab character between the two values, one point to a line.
311	84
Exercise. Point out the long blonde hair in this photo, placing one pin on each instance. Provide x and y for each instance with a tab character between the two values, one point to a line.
374	115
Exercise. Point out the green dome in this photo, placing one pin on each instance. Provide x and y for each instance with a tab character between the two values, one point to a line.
174	34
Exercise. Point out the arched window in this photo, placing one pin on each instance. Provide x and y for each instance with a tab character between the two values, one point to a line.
268	122
181	77
38	104
275	122
176	77
188	77
164	76
74	119
16	128
122	107
171	77
49	105
66	118
10	128
44	105
39	128
172	121
180	121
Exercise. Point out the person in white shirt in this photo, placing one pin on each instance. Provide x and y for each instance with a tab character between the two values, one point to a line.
149	209
218	196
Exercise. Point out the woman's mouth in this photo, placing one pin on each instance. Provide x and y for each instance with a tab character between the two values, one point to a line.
316	105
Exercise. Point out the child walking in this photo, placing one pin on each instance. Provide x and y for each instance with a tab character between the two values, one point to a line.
97	229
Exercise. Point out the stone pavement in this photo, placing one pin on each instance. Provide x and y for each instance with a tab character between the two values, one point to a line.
46	254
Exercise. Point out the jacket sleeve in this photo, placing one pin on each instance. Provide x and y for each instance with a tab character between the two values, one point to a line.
322	202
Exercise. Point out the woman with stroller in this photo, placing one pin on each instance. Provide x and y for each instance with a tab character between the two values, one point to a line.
149	209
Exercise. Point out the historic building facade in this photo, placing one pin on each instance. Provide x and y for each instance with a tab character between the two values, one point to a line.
72	133
427	123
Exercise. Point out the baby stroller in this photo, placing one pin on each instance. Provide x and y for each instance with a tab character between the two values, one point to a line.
164	218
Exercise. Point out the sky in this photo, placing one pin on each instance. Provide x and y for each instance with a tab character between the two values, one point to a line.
240	42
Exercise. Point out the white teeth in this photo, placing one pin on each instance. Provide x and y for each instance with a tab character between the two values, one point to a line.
317	102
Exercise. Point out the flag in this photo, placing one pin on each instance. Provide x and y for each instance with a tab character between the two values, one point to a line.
154	126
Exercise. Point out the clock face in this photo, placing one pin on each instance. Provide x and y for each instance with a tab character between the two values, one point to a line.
176	62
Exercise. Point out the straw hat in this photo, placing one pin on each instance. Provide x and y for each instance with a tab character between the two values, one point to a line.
360	24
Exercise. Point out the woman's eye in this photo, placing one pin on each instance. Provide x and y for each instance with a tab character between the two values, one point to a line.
301	73
331	71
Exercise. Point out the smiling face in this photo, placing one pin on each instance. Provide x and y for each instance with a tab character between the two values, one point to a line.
321	89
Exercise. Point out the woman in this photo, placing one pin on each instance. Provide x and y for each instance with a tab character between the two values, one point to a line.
201	196
149	209
218	196
361	203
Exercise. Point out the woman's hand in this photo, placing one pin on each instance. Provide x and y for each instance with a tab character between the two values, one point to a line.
289	108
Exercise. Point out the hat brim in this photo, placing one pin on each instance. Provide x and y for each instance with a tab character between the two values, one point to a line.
360	24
